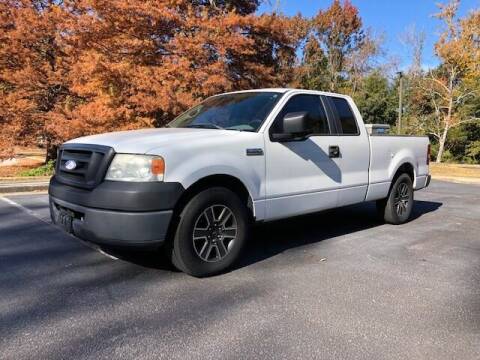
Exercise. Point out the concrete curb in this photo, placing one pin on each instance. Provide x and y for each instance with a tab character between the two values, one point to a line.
16	179
26	186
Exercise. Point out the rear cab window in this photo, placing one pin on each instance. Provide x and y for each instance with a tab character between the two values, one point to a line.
347	123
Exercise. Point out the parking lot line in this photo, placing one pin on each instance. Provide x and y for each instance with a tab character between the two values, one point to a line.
24	209
42	219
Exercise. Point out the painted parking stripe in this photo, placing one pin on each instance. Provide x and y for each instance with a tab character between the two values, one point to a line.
39	217
24	209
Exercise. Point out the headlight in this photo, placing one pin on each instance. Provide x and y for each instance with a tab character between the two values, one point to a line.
127	167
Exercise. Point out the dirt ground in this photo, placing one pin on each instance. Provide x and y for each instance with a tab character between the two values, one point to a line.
25	159
455	170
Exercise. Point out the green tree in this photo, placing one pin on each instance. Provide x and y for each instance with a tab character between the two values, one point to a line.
376	100
463	143
473	151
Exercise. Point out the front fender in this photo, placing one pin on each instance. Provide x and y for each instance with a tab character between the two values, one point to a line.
200	166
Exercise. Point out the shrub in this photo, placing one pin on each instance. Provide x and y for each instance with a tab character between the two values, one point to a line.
44	170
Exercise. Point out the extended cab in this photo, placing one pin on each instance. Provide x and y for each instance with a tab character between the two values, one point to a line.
236	158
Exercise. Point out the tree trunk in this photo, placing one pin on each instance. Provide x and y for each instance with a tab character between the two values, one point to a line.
51	152
448	119
441	147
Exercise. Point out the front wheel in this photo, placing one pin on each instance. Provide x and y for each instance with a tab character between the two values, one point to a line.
211	233
397	207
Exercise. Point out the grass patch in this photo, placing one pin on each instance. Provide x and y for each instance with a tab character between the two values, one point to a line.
43	170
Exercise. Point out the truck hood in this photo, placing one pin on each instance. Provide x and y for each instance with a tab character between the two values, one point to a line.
142	141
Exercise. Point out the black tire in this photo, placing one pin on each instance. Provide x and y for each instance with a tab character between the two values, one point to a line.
188	252
397	207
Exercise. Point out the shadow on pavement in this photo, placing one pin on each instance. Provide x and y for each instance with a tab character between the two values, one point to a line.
153	258
272	238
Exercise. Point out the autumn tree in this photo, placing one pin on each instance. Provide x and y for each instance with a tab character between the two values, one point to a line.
339	30
33	71
313	71
453	84
80	67
414	41
337	52
360	61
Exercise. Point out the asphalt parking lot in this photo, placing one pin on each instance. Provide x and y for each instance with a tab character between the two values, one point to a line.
334	285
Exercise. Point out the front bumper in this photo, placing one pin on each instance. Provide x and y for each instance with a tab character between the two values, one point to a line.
110	227
127	214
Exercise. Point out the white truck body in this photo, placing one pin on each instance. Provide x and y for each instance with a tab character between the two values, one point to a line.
195	186
284	178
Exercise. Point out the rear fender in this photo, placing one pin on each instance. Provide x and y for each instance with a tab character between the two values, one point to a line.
404	156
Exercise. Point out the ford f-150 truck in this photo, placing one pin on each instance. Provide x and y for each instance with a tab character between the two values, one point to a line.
197	185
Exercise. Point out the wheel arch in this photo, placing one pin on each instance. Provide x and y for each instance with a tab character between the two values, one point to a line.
405	168
221	180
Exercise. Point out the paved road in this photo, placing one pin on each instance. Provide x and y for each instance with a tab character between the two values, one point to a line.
335	285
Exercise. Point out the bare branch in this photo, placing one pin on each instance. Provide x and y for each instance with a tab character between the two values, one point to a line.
473	119
440	83
463	96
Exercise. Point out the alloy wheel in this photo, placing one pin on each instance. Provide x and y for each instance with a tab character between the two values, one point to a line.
214	233
401	199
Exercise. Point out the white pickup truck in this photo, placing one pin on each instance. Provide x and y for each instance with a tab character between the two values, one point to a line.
197	185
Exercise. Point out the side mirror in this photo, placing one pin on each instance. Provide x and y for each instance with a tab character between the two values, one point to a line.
296	126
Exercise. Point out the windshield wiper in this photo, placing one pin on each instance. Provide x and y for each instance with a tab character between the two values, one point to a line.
205	126
241	130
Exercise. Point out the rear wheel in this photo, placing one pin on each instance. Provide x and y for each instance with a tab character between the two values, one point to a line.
397	207
211	233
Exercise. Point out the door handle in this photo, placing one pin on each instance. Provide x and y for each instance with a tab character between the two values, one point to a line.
334	151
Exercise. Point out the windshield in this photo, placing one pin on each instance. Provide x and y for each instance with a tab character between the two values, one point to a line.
241	111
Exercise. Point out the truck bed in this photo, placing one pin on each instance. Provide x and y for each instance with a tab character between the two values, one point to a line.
387	152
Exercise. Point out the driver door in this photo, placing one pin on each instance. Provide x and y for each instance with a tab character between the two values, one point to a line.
301	177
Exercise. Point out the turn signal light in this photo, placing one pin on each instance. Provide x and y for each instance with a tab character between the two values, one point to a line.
428	154
158	166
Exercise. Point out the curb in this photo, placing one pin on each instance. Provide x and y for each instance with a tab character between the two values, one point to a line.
23	179
7	188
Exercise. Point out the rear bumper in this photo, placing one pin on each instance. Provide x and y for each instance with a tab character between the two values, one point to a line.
422	182
111	227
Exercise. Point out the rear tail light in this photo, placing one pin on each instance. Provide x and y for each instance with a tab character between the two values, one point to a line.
428	154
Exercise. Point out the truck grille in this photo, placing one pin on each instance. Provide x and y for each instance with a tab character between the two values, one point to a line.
88	164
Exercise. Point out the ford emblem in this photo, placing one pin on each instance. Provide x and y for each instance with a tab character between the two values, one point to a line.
70	165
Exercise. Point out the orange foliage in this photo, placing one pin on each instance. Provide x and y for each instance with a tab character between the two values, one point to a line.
73	68
340	29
